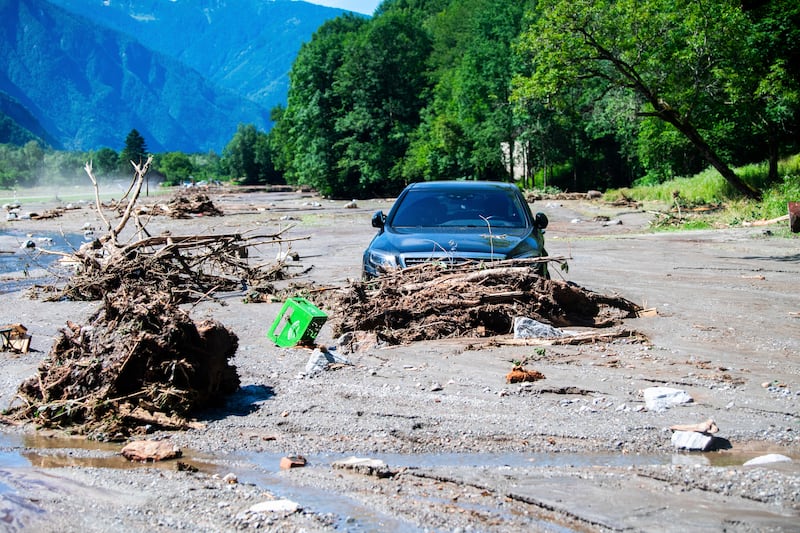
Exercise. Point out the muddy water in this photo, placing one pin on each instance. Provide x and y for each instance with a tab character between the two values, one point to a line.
19	454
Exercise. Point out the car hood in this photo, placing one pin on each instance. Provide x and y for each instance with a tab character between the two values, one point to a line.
459	241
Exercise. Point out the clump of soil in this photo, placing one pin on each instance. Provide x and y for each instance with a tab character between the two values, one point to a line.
470	300
140	361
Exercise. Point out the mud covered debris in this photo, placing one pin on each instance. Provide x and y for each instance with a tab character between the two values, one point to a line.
186	205
139	362
469	300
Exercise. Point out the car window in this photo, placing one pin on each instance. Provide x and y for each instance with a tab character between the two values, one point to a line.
459	209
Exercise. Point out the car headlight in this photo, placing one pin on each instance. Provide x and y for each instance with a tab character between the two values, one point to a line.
382	260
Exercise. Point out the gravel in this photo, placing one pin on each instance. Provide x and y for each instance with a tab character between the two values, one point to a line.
467	451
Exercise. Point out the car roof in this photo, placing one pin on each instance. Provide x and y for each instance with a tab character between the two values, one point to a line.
461	185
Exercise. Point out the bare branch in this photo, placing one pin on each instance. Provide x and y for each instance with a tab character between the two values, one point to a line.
88	169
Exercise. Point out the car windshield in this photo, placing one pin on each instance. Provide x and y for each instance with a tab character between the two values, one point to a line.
494	208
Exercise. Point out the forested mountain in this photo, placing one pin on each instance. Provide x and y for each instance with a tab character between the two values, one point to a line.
580	93
18	126
246	46
88	85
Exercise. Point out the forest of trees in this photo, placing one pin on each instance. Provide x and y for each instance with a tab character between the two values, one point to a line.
578	94
588	93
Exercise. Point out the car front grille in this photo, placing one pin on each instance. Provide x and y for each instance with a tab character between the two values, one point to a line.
412	260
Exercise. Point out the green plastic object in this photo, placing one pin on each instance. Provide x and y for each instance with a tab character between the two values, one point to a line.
301	322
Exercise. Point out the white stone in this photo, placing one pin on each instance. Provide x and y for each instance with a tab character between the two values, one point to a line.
275	506
662	398
767	459
691	440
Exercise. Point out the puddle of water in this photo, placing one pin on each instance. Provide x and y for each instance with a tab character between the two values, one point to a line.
14	257
45	451
352	514
270	462
366	519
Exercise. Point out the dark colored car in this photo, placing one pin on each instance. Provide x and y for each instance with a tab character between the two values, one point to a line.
453	222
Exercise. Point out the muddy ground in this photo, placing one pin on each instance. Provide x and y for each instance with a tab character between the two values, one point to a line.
465	451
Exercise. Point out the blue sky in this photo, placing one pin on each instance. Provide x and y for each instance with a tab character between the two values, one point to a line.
359	6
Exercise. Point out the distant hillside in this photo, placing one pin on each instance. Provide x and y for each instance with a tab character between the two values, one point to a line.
247	46
89	86
18	126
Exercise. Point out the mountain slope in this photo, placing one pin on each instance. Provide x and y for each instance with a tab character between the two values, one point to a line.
247	46
89	86
18	126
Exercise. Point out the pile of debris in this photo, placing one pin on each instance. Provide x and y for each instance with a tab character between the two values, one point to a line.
187	267
139	363
438	301
187	205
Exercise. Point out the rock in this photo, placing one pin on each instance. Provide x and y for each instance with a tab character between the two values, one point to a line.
692	440
662	398
292	461
709	427
275	506
150	450
592	195
767	459
351	205
321	360
528	328
230	478
365	466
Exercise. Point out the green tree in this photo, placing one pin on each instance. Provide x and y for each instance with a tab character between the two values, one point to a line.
381	86
106	160
176	166
469	120
247	156
679	58
304	139
135	151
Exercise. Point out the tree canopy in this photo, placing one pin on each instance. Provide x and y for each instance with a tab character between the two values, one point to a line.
135	151
582	93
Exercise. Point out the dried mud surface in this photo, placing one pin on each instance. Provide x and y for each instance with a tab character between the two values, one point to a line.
467	451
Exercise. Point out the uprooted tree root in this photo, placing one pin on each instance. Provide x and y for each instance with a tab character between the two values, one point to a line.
469	300
140	361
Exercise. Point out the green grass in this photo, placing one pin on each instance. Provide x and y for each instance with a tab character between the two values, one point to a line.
708	188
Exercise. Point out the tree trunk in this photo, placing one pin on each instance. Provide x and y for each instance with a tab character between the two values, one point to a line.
772	148
669	115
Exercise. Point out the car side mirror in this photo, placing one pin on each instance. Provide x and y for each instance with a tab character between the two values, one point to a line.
541	220
378	220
